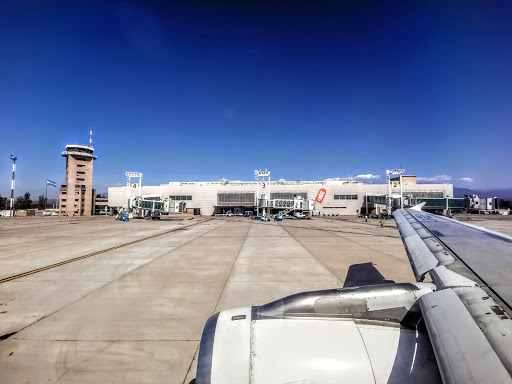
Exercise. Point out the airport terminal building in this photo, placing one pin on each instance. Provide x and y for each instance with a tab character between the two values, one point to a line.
341	197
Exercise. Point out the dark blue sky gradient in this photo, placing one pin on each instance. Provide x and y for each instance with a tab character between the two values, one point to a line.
217	89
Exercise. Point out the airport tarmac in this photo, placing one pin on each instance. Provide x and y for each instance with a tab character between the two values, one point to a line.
127	301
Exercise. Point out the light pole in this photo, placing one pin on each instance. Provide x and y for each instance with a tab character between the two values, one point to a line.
401	192
257	191
399	172
13	158
257	175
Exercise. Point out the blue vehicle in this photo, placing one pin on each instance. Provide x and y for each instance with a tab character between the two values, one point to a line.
261	218
278	218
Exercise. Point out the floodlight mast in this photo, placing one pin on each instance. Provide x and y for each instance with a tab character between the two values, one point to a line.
257	192
13	158
257	175
129	176
398	172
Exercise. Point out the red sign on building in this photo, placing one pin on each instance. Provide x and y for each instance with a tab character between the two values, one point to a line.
321	195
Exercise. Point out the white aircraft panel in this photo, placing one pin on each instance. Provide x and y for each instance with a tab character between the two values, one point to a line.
316	351
400	355
232	347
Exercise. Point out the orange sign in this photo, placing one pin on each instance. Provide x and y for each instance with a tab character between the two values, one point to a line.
321	195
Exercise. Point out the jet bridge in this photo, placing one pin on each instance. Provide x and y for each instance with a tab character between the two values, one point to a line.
286	206
145	206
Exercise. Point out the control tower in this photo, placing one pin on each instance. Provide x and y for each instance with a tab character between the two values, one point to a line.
77	198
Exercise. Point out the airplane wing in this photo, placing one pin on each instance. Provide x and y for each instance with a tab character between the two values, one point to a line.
468	318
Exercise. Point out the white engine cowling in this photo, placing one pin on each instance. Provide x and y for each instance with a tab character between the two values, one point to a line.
358	335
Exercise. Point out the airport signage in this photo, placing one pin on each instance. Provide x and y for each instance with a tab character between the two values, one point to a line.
321	194
264	173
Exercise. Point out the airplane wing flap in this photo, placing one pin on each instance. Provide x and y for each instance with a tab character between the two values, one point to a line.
424	251
422	260
463	353
444	278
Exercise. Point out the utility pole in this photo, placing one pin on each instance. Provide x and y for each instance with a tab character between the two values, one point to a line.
13	158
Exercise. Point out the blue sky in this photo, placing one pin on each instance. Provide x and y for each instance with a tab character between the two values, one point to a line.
207	90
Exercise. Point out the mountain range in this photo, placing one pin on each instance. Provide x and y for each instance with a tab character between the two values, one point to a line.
500	193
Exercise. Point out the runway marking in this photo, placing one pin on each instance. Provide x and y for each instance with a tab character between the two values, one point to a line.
96	253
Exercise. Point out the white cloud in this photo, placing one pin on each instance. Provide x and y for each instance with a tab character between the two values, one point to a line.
444	179
348	178
436	179
368	176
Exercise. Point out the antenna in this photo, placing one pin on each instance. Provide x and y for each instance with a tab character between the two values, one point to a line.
90	139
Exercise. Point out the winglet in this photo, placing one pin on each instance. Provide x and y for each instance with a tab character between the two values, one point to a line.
419	206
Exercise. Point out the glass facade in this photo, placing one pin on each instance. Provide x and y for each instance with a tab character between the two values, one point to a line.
377	200
180	197
149	204
441	203
345	197
235	197
429	194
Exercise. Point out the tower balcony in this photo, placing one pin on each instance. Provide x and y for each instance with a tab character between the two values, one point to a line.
79	150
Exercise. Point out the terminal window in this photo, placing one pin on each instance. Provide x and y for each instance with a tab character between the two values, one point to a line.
376	199
234	197
150	204
180	197
345	197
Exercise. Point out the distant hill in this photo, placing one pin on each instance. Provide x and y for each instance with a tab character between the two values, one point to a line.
500	193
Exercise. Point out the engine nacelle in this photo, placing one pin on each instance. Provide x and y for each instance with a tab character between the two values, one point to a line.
368	334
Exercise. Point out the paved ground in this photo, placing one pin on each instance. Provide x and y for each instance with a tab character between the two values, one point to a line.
135	314
495	222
